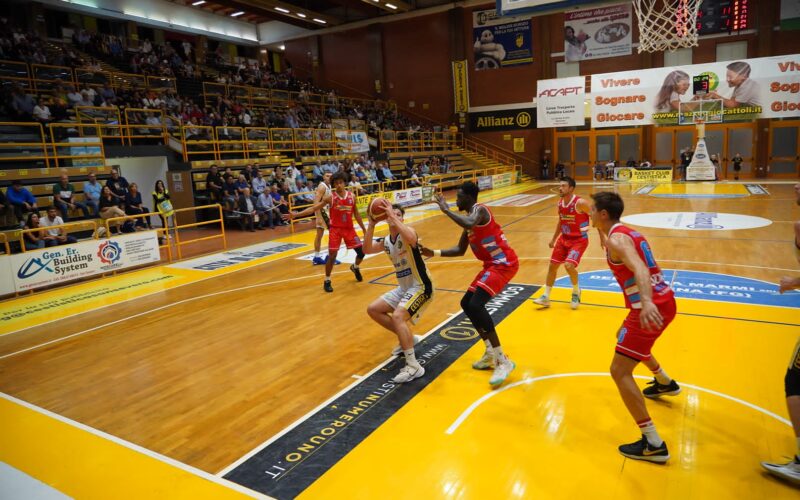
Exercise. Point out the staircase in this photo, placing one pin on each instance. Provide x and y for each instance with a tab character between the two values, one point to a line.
476	160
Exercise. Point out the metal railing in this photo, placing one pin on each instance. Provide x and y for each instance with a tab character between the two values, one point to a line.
179	243
163	232
406	142
65	226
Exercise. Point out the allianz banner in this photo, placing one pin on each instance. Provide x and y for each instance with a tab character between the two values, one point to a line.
767	87
55	265
503	119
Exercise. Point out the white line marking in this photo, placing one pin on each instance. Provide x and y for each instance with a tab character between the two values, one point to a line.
318	408
466	413
357	377
144	451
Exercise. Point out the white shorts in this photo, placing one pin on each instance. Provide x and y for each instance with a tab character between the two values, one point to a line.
414	300
322	219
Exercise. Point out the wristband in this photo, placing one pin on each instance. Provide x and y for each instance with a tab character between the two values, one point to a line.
437	253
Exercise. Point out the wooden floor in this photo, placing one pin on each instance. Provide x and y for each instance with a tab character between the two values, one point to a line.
241	356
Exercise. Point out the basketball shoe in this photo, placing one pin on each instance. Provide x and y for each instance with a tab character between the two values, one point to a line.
408	373
399	350
357	272
327	286
788	471
655	390
543	301
318	261
576	300
485	363
643	450
502	370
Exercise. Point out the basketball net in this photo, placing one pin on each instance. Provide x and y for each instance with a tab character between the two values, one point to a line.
666	24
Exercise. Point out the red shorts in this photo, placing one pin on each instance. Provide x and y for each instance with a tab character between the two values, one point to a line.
569	250
337	234
636	343
494	278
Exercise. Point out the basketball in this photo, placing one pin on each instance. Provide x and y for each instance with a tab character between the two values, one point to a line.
377	209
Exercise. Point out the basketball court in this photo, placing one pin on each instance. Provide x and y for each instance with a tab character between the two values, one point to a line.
249	380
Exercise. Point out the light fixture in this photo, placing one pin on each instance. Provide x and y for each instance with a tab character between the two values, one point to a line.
263	51
237	14
281	9
300	14
320	21
391	6
283	47
199	2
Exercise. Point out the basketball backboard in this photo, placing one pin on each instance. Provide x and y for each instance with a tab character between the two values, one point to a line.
707	110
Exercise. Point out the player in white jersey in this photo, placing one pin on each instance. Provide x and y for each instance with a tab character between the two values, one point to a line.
321	216
396	308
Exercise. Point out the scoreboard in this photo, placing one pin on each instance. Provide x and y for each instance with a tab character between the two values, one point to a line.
722	16
700	84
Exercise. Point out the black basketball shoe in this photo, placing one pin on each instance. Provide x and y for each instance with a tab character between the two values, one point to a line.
357	272
327	287
655	390
642	450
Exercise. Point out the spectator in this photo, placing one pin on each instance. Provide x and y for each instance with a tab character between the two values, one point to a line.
41	113
214	184
610	166
737	166
317	172
241	183
560	170
280	201
259	184
118	186
599	171
414	181
246	207
22	104
387	175
109	206
91	194
21	200
545	167
134	206
356	185
56	235
631	162
645	164
64	198
33	239
715	162
230	192
268	213
164	206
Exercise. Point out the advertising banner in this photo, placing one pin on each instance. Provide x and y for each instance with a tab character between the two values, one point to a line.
744	90
6	277
427	193
362	202
627	174
560	102
500	42
599	32
503	119
50	266
503	180
485	182
352	142
406	197
460	86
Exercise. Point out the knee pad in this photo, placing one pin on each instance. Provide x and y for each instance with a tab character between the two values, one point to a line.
791	382
359	252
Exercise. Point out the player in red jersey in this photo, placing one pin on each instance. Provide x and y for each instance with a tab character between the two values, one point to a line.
652	307
342	205
569	240
484	235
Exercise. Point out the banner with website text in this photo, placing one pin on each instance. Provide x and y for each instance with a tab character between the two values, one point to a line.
767	87
51	266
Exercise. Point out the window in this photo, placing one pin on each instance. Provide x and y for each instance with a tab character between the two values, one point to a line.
680	57
565	69
731	51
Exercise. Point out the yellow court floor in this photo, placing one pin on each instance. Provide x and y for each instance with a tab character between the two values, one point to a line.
552	431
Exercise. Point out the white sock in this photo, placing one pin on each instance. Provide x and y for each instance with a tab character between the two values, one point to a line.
327	279
411	359
648	428
316	255
661	376
489	347
547	291
498	353
576	289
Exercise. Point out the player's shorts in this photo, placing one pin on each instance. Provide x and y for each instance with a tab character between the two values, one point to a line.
569	250
493	278
636	343
792	379
322	219
414	300
337	234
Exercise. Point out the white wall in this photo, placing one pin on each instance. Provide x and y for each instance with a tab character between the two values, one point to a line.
144	171
277	31
166	15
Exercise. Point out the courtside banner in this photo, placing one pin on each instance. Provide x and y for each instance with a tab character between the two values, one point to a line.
291	462
485	182
54	265
460	86
559	102
767	87
503	180
6	276
651	175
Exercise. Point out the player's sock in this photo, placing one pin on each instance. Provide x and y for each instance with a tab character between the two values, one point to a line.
547	291
316	255
576	289
661	376
648	428
489	347
498	353
411	359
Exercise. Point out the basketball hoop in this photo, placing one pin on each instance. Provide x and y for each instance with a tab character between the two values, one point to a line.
666	24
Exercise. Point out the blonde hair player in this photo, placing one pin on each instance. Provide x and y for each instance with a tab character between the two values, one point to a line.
791	471
396	308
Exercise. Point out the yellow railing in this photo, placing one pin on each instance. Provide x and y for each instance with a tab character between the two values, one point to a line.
107	121
4	240
180	243
41	78
136	126
491	153
85	223
404	141
87	151
26	151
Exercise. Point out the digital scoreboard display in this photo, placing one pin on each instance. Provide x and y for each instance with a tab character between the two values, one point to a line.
700	84
722	16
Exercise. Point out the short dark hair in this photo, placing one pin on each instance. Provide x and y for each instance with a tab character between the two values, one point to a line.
469	188
339	176
569	180
610	202
399	207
